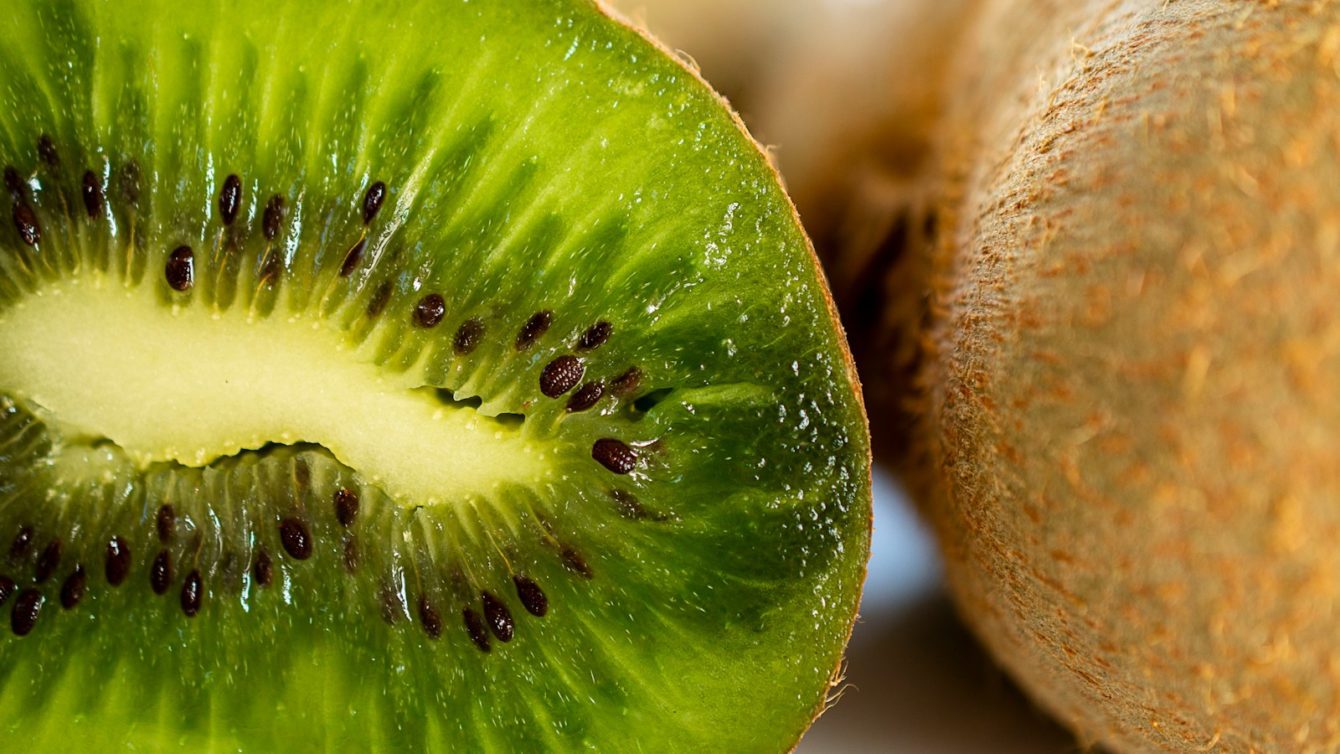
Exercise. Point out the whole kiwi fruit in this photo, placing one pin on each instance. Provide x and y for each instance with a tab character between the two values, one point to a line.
411	375
1125	359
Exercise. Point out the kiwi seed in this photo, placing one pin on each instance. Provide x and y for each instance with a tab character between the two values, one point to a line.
180	270
72	590
561	375
379	300
230	199
273	219
25	221
586	396
192	593
428	313
346	506
498	616
595	336
296	538
92	193
160	572
263	569
353	257
468	336
118	561
372	201
429	619
23	617
574	562
533	329
531	596
614	455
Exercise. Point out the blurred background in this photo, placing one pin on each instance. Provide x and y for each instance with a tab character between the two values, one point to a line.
845	112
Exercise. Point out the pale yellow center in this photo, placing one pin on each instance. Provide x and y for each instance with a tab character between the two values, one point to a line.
191	385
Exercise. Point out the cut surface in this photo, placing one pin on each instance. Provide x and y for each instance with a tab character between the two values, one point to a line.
406	376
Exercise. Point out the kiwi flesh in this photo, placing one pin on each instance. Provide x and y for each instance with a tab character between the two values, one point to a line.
409	376
1127	424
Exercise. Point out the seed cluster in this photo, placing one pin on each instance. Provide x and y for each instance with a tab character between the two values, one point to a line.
488	618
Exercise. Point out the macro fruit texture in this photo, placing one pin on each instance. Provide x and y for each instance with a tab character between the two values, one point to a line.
407	376
853	124
1129	365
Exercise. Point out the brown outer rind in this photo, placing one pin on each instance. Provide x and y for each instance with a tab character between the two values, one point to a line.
1130	394
835	678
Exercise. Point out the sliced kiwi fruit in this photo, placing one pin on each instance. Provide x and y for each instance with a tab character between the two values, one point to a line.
406	376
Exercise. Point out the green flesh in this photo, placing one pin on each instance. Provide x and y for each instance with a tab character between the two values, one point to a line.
538	157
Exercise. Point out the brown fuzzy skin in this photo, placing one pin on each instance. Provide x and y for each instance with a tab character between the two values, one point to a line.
1131	416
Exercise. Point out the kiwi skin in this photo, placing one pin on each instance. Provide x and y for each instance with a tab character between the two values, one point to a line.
1127	425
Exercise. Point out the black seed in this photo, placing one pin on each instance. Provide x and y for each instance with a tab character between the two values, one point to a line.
92	191
167	523
627	383
498	616
351	553
180	270
273	218
73	589
474	625
7	587
346	506
192	592
130	183
531	596
428	312
25	221
573	561
26	609
380	299
22	541
48	561
352	259
468	336
263	569
46	149
160	572
588	396
561	375
614	455
296	538
118	561
372	201
17	189
536	326
230	199
432	622
595	336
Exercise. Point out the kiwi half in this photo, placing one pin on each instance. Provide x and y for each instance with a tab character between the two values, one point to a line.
406	376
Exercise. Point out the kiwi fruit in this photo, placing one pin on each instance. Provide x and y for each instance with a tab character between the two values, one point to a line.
407	376
1127	421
